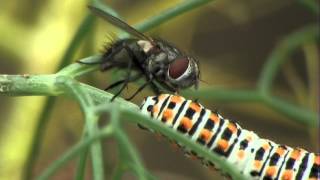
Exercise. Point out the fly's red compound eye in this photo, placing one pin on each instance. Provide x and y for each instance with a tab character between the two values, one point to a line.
178	67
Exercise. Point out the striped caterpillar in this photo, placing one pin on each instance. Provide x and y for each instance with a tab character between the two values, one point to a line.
252	156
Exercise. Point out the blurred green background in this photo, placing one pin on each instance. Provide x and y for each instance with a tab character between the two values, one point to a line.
231	39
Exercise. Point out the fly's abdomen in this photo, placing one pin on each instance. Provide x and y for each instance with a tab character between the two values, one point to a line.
255	157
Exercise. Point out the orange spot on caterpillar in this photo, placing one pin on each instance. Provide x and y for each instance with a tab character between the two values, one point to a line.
155	109
186	123
205	135
317	160
195	106
287	175
257	164
223	144
241	154
167	114
214	118
232	127
295	154
176	99
162	96
266	146
271	171
280	151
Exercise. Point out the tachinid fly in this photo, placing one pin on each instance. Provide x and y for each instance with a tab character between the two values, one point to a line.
160	63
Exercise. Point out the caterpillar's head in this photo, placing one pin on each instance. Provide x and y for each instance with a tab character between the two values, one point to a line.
150	105
147	106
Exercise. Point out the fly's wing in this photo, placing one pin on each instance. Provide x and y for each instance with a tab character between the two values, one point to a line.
118	23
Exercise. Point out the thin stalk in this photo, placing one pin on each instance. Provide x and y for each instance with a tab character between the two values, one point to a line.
81	165
74	151
281	53
225	95
37	138
170	13
131	153
86	104
311	5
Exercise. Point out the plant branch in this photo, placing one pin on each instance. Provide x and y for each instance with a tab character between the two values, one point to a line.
296	113
28	85
84	28
157	20
74	151
170	13
281	53
86	103
312	6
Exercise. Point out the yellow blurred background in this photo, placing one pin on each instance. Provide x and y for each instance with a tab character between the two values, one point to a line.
231	39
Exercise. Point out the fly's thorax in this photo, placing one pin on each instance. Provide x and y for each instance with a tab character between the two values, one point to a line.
145	45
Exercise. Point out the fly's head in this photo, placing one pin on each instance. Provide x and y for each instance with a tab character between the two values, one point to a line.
170	65
183	72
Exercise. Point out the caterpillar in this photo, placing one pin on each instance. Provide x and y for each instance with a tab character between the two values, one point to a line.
252	156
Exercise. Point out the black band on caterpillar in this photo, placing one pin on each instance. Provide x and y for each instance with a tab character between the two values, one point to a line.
251	155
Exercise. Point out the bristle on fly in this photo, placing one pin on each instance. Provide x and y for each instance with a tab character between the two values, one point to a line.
111	38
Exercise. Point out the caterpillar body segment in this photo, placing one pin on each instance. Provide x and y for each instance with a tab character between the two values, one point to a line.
254	157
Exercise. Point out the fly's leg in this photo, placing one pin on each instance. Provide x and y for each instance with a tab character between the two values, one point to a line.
117	83
133	61
125	82
170	88
140	89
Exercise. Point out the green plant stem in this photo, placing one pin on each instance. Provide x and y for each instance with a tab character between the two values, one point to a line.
86	104
170	13
38	135
85	27
104	7
77	69
74	151
136	117
312	56
296	113
281	53
81	165
312	5
95	149
162	17
224	95
28	85
299	114
128	150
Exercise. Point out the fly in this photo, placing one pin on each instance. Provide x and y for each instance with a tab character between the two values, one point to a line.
159	62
